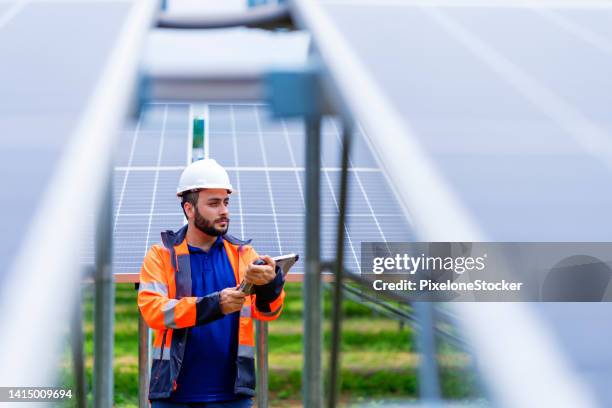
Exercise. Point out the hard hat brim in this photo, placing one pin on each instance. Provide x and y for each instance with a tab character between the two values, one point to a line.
183	190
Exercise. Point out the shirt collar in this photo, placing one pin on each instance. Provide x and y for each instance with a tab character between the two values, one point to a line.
215	246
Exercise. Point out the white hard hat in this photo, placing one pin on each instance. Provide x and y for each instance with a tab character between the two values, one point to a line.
206	173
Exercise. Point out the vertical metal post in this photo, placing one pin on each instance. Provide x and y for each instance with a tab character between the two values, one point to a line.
262	363
144	362
104	304
429	384
334	364
312	383
78	359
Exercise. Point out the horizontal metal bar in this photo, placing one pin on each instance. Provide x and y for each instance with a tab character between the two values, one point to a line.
264	16
400	315
201	86
397	312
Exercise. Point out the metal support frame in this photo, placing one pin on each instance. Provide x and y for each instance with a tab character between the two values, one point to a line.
104	303
261	335
429	383
144	361
334	364
445	317
188	85
383	125
312	382
78	355
298	93
270	16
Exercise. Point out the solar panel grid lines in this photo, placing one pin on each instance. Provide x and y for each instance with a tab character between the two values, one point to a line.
129	165
348	235
586	133
401	206
367	201
237	163
155	182
267	173
293	163
146	175
358	178
268	198
472	117
509	106
289	212
333	195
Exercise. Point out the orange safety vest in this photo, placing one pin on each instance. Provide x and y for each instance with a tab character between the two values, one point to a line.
167	306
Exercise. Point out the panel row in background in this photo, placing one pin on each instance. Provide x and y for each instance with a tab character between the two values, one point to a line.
272	215
266	168
256	191
268	155
247	135
158	139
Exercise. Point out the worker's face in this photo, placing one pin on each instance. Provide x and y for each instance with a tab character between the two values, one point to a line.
211	215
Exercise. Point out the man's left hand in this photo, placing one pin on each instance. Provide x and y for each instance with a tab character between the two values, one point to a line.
261	274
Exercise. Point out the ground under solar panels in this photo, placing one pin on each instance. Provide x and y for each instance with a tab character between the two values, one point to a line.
265	160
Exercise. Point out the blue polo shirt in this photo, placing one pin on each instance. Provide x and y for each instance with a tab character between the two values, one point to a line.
209	364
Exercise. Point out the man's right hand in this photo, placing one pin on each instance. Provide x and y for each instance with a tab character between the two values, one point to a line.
231	300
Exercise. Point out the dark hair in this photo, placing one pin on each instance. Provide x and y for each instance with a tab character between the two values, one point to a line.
190	197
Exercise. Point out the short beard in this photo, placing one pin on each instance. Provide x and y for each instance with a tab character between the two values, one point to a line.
208	227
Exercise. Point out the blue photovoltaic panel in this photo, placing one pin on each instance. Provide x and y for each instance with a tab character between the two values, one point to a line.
147	173
158	147
510	101
239	137
48	75
149	161
515	120
268	202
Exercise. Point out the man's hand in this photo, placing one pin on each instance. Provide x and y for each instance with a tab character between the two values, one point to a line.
231	300
261	274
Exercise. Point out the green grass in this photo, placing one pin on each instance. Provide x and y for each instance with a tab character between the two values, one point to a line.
378	356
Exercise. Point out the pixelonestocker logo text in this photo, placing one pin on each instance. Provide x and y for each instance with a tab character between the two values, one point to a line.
410	264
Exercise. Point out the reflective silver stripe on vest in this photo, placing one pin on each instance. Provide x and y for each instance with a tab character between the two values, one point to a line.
246	351
168	310
271	313
156	287
245	311
157	351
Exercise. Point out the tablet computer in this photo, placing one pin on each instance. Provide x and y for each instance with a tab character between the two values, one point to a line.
284	262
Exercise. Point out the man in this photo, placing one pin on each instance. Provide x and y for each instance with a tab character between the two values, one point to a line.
203	351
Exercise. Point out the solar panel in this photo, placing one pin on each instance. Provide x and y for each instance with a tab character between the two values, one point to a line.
67	73
508	99
265	161
506	104
48	80
152	157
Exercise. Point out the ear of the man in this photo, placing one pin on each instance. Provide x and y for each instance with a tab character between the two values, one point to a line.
189	210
